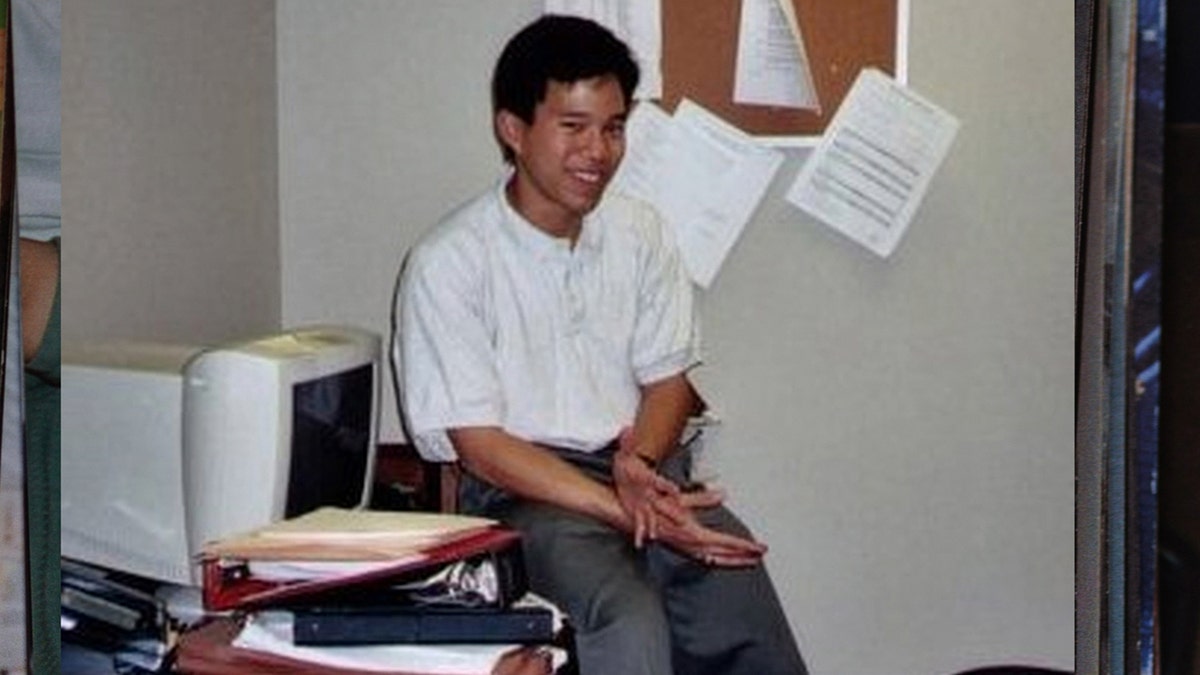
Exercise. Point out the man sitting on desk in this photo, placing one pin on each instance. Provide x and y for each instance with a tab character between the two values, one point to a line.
545	331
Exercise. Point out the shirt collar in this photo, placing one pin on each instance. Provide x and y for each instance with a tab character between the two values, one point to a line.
542	245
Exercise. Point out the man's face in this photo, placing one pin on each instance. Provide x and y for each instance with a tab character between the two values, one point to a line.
565	158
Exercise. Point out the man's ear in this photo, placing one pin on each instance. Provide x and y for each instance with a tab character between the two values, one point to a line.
510	129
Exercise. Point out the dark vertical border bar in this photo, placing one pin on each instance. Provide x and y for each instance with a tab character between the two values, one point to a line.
8	187
1103	641
1118	339
8	219
1085	28
1088	465
1144	330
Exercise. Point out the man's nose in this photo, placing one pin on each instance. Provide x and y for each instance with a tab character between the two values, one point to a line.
597	145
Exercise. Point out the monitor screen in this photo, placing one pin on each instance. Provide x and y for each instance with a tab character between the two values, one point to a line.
331	436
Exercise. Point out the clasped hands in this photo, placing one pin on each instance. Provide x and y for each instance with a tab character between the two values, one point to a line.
660	510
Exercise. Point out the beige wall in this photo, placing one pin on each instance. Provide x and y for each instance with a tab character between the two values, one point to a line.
899	431
170	206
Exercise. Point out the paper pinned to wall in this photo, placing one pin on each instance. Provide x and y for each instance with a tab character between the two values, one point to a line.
637	22
703	175
772	65
875	162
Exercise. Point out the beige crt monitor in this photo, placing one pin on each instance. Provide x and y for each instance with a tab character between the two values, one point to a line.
166	446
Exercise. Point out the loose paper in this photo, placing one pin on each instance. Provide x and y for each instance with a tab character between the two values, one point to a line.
772	65
636	22
703	175
337	534
875	162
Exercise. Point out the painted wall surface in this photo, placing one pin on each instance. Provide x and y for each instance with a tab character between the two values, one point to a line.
385	125
169	170
900	432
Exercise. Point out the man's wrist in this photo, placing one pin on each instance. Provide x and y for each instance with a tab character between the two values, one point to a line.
642	457
650	461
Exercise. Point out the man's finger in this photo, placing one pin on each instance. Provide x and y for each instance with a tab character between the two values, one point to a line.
673	510
665	486
724	560
702	498
719	557
714	540
678	508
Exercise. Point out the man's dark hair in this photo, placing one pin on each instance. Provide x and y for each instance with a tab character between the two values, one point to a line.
557	48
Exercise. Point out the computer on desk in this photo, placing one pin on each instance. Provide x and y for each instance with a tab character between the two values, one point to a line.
165	447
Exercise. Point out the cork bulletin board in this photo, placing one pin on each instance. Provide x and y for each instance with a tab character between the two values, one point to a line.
840	38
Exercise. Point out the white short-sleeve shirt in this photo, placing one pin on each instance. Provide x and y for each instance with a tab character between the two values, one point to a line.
500	324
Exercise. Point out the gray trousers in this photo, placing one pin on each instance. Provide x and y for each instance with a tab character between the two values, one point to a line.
649	611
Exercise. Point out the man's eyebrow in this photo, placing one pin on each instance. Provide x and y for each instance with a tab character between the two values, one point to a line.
583	114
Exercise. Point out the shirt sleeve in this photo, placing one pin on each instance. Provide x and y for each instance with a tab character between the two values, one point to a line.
666	338
446	370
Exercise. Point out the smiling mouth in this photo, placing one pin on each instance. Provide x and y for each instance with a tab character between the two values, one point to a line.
592	178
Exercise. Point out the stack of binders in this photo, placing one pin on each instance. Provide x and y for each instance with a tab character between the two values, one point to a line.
359	590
